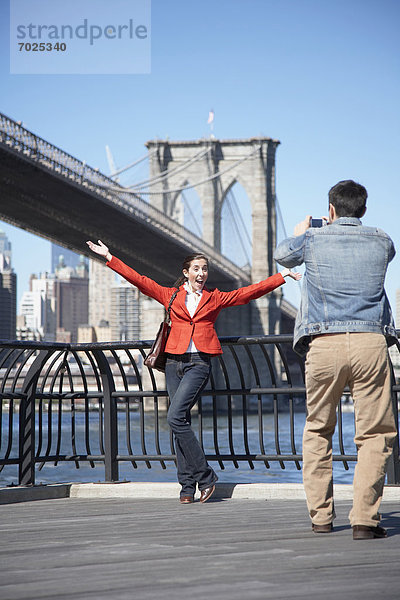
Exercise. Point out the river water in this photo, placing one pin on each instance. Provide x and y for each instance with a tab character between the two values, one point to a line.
67	472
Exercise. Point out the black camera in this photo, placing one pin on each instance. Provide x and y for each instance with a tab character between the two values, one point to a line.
317	222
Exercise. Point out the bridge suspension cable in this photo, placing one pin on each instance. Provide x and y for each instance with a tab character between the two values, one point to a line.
192	215
229	200
280	218
136	192
131	165
239	213
165	174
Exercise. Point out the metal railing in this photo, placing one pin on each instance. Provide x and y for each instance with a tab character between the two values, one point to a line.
14	136
89	403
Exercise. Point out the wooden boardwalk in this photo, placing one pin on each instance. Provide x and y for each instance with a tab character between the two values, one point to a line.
157	549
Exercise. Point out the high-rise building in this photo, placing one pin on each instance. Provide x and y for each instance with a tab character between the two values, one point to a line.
71	293
8	305
125	319
8	291
101	280
38	307
5	253
70	258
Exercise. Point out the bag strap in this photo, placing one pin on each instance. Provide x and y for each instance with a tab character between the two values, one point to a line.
168	311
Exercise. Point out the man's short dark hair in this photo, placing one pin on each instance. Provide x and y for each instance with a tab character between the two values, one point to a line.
349	198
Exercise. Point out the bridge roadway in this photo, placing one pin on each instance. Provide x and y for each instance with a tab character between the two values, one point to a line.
52	194
230	549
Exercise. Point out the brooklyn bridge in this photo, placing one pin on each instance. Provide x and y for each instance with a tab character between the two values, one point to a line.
52	194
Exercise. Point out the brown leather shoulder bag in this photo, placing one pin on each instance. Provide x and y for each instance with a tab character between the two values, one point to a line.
156	358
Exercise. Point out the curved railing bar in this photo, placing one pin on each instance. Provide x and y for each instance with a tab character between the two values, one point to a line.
15	357
229	408
242	383
20	368
259	404
86	403
340	434
291	403
98	396
209	392
244	402
51	395
128	414
275	403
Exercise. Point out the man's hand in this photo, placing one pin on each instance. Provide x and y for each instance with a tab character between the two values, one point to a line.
302	226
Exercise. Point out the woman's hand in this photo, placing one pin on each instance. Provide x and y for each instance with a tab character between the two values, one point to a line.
100	249
296	276
288	273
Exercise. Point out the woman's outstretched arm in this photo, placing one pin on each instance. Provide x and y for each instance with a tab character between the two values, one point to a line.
243	295
146	285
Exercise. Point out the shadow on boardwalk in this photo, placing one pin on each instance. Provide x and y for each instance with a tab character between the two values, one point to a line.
226	549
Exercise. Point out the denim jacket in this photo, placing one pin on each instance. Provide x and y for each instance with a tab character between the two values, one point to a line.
343	287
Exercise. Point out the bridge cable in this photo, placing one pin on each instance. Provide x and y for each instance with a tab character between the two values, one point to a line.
235	225
244	228
279	213
167	173
196	224
131	165
185	187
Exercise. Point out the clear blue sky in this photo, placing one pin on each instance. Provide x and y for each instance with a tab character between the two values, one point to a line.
321	76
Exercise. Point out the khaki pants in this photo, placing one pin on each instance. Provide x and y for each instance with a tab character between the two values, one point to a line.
359	360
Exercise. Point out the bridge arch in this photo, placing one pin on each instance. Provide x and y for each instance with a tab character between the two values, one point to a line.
236	224
187	208
213	167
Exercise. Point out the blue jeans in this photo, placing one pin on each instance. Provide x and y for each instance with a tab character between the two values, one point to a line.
186	376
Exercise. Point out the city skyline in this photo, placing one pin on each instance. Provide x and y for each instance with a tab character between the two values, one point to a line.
62	304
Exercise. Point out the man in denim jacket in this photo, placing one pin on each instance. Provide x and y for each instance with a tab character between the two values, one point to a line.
344	325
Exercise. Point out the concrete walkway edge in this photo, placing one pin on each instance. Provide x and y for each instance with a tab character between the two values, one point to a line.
140	490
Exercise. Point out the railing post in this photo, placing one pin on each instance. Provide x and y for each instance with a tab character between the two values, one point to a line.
27	421
393	467
110	418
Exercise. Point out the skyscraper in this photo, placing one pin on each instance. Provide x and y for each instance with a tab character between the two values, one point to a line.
8	291
125	319
101	280
71	259
72	302
37	306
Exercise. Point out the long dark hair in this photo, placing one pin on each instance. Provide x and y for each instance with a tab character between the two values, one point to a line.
186	265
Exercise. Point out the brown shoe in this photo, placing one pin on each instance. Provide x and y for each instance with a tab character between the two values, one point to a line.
207	493
363	532
328	528
186	499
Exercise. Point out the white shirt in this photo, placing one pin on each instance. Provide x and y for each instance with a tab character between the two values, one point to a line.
192	301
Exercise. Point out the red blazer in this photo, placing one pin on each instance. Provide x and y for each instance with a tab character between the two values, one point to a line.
200	327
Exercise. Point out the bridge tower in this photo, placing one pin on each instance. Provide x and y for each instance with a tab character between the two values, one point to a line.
212	167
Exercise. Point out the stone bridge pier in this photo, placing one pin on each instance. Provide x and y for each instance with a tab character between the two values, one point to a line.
212	167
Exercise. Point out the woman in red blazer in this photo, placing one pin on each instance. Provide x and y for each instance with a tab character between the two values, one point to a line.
191	343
